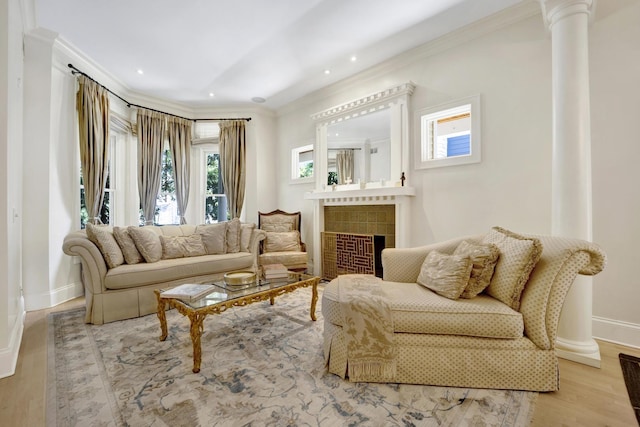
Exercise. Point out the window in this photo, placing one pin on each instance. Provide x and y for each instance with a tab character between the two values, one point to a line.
166	205
108	202
449	134
302	164
215	202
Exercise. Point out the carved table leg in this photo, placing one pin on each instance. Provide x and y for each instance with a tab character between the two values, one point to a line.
272	300
196	333
162	316
314	298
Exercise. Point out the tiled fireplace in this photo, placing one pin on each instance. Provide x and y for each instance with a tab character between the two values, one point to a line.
381	211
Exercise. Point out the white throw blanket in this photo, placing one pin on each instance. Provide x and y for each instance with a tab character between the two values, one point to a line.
368	329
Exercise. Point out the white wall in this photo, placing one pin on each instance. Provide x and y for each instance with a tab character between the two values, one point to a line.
510	67
11	118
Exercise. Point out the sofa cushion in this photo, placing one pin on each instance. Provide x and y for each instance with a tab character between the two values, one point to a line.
518	256
484	258
288	241
214	237
446	275
245	236
147	242
288	259
182	246
278	223
166	270
128	246
417	309
102	237
233	236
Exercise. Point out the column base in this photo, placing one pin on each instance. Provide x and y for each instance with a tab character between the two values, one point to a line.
586	353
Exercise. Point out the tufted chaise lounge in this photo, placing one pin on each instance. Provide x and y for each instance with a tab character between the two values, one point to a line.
479	342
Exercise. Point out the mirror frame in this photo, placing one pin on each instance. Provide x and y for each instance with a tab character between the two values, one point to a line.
397	100
476	135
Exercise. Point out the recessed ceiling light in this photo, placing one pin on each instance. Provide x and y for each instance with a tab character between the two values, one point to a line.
327	71
354	58
140	71
211	94
258	99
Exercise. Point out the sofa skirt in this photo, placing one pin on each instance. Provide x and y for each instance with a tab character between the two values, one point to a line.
458	361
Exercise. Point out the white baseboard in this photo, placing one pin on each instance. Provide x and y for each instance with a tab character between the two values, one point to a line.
616	331
53	298
9	355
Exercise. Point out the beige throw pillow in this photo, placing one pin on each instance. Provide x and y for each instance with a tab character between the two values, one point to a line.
282	242
446	275
102	237
245	236
182	246
127	245
147	241
233	236
518	257
484	258
214	237
278	223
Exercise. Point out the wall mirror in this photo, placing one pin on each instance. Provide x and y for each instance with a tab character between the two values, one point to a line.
363	143
449	133
358	149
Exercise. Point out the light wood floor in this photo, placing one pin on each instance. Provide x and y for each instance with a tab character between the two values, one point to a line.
587	397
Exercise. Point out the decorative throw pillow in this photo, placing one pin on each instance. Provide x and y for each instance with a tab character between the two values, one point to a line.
102	237
278	223
282	242
446	275
484	258
147	241
127	245
182	246
518	257
246	230
233	236
214	237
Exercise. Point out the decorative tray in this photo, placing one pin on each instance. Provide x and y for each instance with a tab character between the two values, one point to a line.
239	278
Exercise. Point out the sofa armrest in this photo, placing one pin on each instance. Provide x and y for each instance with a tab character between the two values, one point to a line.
94	268
544	294
257	236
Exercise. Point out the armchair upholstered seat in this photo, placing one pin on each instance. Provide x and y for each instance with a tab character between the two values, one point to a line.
282	244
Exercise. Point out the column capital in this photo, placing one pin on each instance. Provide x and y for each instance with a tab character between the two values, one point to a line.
555	10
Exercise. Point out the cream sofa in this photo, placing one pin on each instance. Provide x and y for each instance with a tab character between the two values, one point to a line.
480	342
119	281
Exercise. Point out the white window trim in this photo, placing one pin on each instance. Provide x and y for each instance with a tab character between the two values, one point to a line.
421	161
295	165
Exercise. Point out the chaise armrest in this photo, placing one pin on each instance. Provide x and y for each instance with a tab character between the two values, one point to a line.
94	269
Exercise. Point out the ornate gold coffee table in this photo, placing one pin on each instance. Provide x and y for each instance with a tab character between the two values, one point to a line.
225	296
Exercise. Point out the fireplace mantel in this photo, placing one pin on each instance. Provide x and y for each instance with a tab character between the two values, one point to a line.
400	197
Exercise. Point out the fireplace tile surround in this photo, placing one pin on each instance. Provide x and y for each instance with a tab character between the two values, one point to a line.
388	212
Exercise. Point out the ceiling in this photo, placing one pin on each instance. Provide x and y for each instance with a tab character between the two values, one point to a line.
239	50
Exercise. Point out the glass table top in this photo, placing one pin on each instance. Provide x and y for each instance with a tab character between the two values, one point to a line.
224	292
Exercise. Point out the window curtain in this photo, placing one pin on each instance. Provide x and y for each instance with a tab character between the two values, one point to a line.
151	129
180	146
345	165
232	164
92	103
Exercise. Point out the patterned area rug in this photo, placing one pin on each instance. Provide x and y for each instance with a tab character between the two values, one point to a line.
262	365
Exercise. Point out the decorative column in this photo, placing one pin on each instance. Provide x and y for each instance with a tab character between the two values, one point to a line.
568	21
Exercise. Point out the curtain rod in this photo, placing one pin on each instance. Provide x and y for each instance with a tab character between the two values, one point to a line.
129	104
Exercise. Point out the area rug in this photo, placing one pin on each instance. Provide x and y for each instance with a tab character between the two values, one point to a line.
262	365
630	366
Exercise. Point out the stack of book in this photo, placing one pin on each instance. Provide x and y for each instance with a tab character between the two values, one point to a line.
188	292
275	271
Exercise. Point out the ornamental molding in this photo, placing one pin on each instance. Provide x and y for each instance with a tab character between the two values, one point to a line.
370	102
